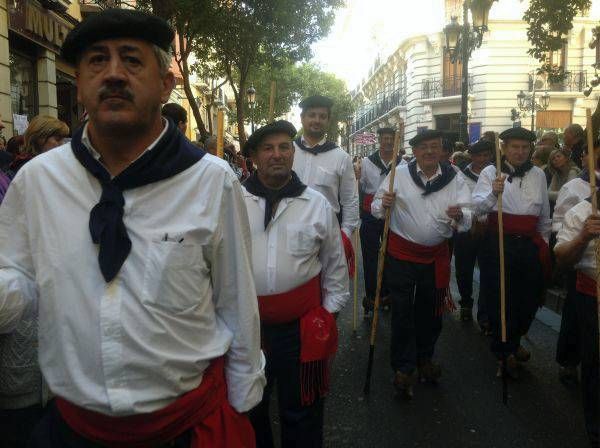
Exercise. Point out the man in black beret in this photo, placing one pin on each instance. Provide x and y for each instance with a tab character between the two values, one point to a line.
176	113
374	169
301	281
527	225
467	245
139	264
324	166
429	202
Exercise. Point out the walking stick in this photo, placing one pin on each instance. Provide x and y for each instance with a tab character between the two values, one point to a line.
592	170
502	281
355	305
380	264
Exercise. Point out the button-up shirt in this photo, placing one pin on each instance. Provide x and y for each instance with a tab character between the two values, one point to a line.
332	174
370	175
302	240
184	296
571	194
570	229
523	196
423	219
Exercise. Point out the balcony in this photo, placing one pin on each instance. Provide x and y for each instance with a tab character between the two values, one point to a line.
377	109
443	87
574	81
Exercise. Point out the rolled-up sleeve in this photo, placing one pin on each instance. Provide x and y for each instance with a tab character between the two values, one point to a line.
18	290
235	300
349	198
483	196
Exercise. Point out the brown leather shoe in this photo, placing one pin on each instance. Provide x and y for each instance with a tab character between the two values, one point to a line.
522	354
429	372
403	383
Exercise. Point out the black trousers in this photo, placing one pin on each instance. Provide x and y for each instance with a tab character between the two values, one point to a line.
415	327
524	288
54	432
301	426
587	314
568	346
371	230
467	252
17	425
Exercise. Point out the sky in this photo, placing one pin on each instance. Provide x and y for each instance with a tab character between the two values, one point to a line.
365	28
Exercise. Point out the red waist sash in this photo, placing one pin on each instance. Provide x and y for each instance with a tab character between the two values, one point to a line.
366	202
525	225
205	410
349	253
318	332
402	249
586	284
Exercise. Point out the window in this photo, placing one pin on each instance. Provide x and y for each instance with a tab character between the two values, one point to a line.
558	58
23	85
452	72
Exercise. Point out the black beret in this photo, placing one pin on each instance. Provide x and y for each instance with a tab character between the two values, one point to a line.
316	101
518	133
114	23
382	131
277	127
427	134
482	146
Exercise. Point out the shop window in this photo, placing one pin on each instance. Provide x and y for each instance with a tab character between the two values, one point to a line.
69	110
23	85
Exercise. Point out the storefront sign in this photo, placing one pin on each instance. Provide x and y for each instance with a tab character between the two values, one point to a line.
38	24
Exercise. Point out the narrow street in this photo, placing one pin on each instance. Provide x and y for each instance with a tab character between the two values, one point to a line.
465	409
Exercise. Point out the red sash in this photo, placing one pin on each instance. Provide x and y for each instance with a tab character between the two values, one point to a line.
366	202
349	253
439	255
525	225
205	410
586	284
318	333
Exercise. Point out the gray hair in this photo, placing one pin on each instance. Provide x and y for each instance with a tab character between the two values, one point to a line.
164	59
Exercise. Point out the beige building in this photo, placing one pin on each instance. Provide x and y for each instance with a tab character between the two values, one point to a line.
417	86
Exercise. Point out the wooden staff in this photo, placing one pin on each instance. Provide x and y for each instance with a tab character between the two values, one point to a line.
592	172
380	265
272	101
355	304
502	280
220	135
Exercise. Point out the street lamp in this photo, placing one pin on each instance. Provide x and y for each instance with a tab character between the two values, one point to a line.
461	41
531	103
251	94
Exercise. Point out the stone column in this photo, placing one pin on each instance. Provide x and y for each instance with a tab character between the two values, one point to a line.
5	106
46	73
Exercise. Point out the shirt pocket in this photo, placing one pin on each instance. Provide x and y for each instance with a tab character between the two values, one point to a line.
176	277
301	240
325	178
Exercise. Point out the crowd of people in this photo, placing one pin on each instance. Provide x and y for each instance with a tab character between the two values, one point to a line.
153	294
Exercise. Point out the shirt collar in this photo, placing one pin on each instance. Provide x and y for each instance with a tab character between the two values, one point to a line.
85	139
420	172
308	145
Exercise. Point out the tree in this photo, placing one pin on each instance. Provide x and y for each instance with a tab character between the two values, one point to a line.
549	24
245	35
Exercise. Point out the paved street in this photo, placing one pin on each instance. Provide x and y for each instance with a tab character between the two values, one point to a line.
465	409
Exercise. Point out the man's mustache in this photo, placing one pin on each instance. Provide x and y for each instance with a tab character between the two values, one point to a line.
106	92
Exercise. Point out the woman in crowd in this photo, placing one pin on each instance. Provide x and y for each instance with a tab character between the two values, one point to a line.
562	169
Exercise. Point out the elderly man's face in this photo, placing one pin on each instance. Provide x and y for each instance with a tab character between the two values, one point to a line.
517	151
428	153
273	159
120	84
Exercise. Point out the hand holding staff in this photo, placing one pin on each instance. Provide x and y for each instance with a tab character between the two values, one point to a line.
380	265
500	179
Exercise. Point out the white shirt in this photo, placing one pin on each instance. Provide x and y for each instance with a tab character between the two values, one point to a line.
523	196
302	239
423	219
571	194
370	175
184	296
572	225
332	174
470	182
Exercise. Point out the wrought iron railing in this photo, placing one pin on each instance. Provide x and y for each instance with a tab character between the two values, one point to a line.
379	108
573	81
441	87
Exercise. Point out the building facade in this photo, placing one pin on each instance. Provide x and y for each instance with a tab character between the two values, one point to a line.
418	87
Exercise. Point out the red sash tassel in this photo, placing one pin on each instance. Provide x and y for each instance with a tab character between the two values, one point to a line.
205	410
525	225
366	202
318	333
402	249
586	284
349	253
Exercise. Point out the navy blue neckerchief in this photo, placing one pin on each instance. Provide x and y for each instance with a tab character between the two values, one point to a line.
172	154
470	174
375	158
316	150
520	171
438	183
292	189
